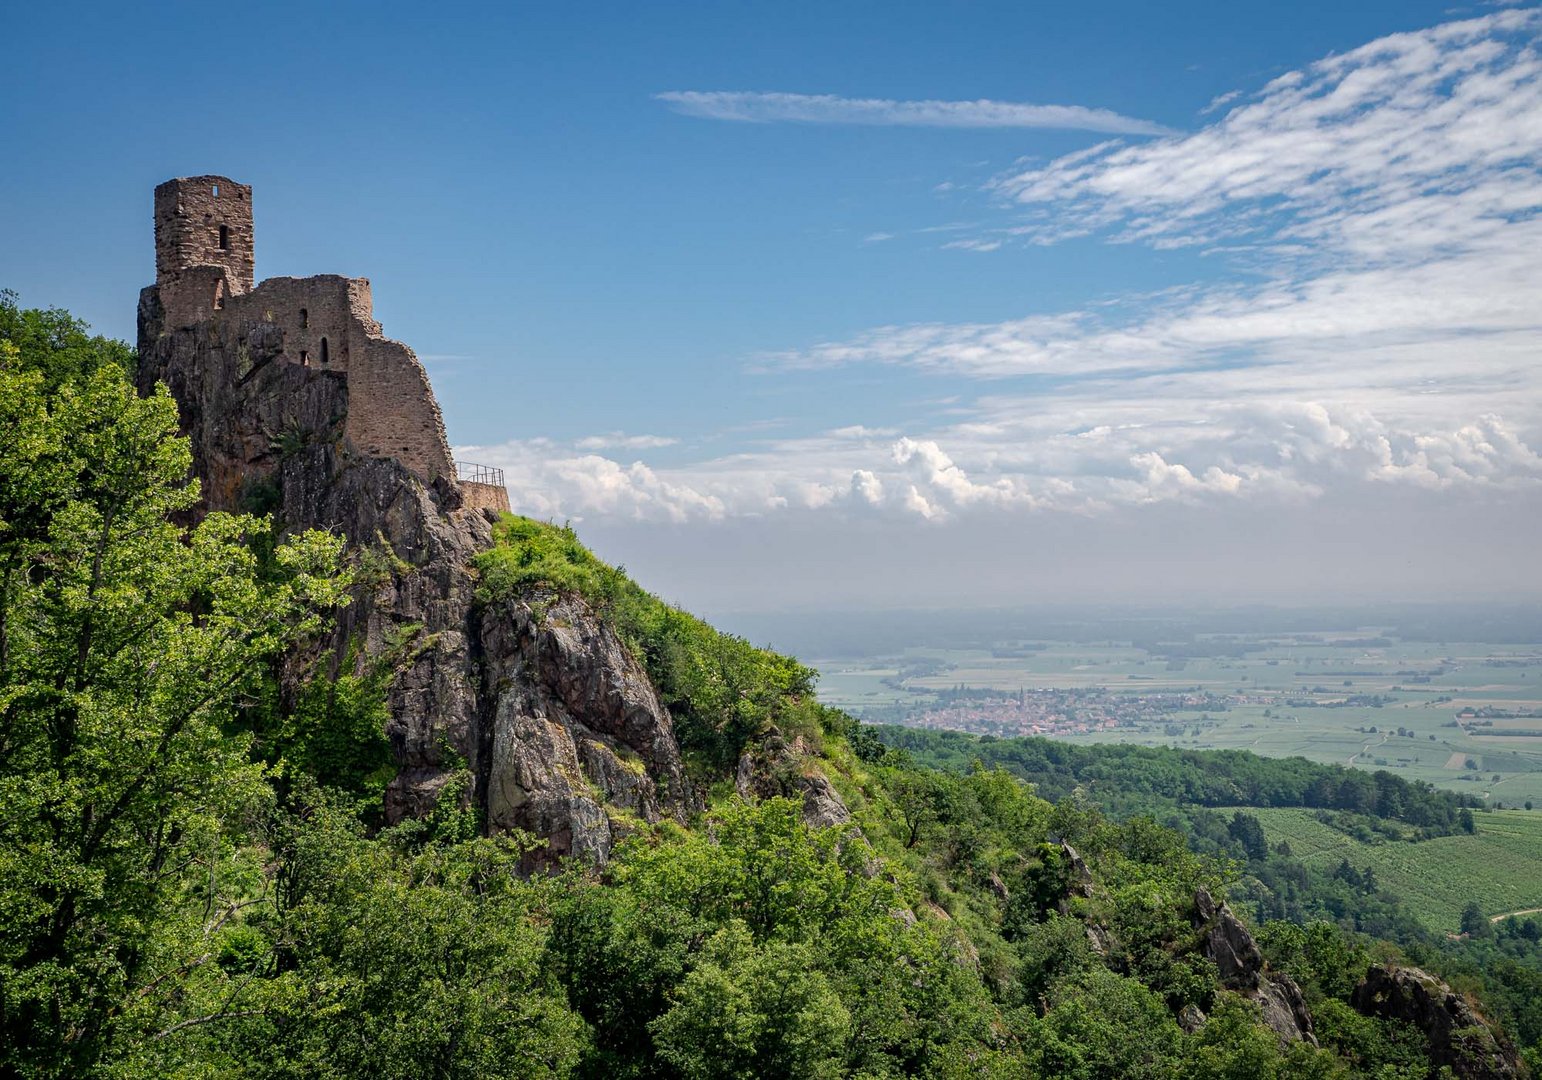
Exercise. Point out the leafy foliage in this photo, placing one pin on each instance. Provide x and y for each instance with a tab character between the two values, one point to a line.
56	345
1152	779
125	645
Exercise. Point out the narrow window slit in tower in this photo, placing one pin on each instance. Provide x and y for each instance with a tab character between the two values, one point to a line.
305	319
216	190
224	238
305	358
324	350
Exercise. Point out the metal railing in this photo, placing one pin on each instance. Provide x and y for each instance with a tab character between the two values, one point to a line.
478	474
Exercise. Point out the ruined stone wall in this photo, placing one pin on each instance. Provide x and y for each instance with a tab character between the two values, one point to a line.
204	268
392	410
326	322
316	314
189	213
192	296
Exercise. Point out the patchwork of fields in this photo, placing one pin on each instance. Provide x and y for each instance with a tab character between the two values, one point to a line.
1500	866
1325	697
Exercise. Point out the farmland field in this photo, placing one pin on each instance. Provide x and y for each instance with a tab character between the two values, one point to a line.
1462	716
1500	866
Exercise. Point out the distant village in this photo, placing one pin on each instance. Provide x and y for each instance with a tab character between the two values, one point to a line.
1060	712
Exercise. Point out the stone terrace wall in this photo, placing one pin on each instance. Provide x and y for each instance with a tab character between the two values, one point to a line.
476	496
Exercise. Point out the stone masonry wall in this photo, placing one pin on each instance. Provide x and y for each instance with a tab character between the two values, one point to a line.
326	322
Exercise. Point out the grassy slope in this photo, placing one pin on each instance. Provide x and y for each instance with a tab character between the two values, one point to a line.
1500	867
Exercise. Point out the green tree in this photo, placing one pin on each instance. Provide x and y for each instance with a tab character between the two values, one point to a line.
917	798
807	896
1249	834
126	644
1103	1025
746	1012
56	345
1474	923
1234	1044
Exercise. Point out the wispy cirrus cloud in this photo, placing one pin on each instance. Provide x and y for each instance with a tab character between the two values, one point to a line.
1398	149
765	108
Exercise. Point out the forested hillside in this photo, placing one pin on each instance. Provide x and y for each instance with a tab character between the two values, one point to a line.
196	878
1439	854
1146	779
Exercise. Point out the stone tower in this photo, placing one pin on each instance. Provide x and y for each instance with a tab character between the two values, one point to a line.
204	221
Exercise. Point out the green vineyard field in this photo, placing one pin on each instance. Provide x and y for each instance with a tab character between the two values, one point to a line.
1500	866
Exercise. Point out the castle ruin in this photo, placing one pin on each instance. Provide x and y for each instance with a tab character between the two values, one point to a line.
295	405
205	279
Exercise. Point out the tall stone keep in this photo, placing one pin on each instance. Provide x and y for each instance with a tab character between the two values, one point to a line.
205	221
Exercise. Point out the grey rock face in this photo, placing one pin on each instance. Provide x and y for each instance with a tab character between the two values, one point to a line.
1225	941
558	725
1228	943
577	727
1459	1037
1081	883
771	767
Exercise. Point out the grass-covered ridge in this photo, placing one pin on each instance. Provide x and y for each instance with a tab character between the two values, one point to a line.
721	689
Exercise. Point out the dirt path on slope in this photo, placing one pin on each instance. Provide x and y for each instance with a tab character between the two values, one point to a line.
1367	748
1512	914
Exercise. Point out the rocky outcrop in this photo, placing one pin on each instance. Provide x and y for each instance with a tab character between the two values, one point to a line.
579	739
1240	965
559	727
1079	884
1459	1038
771	767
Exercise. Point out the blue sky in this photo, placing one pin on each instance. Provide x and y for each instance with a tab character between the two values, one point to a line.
876	304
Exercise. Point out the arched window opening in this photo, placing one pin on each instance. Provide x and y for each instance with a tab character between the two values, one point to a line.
305	319
324	358
305	358
224	238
